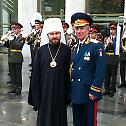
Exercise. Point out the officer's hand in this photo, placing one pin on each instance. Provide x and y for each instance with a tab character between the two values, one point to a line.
92	97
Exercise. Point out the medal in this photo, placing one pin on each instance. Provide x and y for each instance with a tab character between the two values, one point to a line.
53	63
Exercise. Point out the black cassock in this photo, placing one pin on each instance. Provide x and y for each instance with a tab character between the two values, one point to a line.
50	87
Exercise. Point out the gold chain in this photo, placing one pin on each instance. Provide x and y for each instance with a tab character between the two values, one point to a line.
53	59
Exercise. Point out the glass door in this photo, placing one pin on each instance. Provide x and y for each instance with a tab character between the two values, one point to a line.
8	14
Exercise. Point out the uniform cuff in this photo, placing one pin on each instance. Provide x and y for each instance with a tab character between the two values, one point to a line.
96	91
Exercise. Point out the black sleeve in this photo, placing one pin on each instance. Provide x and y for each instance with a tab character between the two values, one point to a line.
34	90
67	76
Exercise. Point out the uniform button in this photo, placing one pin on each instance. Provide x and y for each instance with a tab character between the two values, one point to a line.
71	79
79	68
78	79
72	69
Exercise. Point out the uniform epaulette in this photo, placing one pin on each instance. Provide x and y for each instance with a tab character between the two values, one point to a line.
94	88
94	41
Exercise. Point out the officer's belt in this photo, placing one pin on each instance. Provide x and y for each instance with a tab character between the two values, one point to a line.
15	50
108	53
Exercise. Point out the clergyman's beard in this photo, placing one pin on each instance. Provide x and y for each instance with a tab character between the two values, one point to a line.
55	41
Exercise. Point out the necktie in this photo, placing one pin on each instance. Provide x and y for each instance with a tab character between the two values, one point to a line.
80	45
112	38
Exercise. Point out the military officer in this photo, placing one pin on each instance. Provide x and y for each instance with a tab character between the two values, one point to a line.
112	61
15	58
88	68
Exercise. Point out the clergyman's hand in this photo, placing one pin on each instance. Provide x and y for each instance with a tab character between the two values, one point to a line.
35	108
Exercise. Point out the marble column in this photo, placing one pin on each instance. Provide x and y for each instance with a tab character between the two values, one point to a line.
125	11
72	7
26	9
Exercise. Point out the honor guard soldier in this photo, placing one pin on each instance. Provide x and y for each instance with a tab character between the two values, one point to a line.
35	39
67	36
123	59
88	68
95	33
112	61
70	38
5	39
15	58
65	26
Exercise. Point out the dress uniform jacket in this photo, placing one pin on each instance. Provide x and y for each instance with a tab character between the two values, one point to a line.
122	52
34	42
123	66
122	55
88	68
111	58
15	54
15	59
